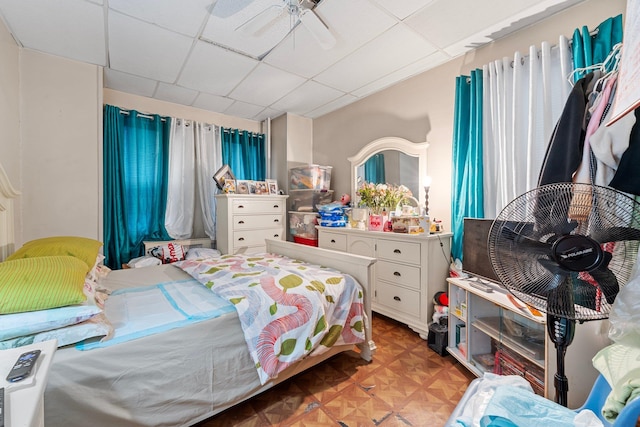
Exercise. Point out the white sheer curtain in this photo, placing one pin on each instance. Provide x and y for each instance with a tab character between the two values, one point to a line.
181	192
523	98
209	160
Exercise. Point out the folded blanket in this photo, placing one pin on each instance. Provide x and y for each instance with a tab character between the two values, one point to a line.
619	364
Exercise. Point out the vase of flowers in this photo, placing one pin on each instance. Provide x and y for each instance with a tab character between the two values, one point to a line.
380	199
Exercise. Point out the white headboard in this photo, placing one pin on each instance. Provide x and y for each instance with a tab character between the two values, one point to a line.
7	223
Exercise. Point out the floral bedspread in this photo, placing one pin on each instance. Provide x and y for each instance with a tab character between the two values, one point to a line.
288	309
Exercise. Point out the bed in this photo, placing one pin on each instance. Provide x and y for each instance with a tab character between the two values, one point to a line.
183	374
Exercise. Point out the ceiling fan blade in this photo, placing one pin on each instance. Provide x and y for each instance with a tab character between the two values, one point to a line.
263	20
615	234
318	29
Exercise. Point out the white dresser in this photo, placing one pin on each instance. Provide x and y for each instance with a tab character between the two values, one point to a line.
410	269
244	221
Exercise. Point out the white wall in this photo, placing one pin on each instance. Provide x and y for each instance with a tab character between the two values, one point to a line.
422	107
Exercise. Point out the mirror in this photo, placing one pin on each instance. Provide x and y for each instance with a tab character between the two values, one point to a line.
392	160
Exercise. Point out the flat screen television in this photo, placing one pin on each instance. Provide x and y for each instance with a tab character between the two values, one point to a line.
475	249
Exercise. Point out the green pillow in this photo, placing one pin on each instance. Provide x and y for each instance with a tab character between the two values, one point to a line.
79	247
40	283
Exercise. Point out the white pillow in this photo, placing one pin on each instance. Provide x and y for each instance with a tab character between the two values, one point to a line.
32	322
195	253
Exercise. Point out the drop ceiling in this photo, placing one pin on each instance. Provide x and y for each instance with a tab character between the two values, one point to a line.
193	52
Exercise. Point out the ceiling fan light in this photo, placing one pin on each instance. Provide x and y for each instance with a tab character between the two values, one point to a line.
318	29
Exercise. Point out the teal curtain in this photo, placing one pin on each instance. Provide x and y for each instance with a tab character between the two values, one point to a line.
374	169
136	149
245	153
593	49
467	181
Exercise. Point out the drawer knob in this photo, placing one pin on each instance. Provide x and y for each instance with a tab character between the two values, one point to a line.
276	206
240	222
276	235
397	273
397	251
276	220
333	240
241	239
240	206
397	298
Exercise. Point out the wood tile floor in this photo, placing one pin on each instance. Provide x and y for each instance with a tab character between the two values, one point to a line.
407	384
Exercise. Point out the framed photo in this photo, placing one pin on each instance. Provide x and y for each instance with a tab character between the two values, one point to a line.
273	186
252	187
242	186
229	186
222	175
261	187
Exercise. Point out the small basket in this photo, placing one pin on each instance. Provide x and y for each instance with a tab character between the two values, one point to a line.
410	206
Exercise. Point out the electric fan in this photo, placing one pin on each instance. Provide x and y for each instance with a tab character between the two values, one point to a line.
566	249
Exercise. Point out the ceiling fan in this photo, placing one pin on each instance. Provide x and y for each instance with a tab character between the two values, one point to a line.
296	11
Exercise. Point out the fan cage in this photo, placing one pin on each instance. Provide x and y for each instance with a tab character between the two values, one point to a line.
521	236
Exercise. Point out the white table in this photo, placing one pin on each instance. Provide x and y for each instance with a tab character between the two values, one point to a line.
24	401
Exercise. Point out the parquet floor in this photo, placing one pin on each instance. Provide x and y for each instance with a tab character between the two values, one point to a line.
407	384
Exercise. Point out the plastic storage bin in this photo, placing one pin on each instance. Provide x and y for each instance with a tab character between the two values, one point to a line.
303	224
310	177
309	200
304	241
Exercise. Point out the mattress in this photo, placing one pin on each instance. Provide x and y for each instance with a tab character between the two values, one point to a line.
174	378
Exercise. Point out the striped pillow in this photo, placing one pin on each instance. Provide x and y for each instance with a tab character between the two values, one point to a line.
80	247
31	284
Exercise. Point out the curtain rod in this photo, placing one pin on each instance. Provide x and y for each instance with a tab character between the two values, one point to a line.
146	116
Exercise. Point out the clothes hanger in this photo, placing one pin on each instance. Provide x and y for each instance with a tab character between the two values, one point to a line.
612	59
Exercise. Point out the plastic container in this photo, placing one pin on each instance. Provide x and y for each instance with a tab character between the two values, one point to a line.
304	241
310	177
303	224
309	200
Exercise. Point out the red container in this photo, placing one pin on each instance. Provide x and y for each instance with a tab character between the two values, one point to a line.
303	241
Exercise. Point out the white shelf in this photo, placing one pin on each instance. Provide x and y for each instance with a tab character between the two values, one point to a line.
491	326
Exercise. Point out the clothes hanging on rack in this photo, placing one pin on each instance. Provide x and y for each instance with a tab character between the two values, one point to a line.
627	178
564	151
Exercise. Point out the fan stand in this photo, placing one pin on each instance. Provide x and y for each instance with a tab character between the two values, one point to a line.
561	330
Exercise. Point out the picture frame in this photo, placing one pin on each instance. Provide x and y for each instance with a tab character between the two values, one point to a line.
272	184
261	187
222	175
252	187
242	186
229	186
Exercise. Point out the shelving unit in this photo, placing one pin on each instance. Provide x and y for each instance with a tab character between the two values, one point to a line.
486	329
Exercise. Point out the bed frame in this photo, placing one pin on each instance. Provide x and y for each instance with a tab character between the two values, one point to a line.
361	268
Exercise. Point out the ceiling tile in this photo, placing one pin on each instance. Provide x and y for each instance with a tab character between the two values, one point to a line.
214	70
265	85
404	8
401	47
332	106
267	113
139	48
299	53
175	94
307	97
244	110
129	83
417	67
186	17
44	26
210	102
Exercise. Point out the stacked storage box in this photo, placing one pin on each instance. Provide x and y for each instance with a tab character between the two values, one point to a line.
308	188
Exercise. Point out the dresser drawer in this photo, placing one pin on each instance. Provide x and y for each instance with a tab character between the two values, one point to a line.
401	300
255	237
335	241
399	274
255	205
244	222
400	251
